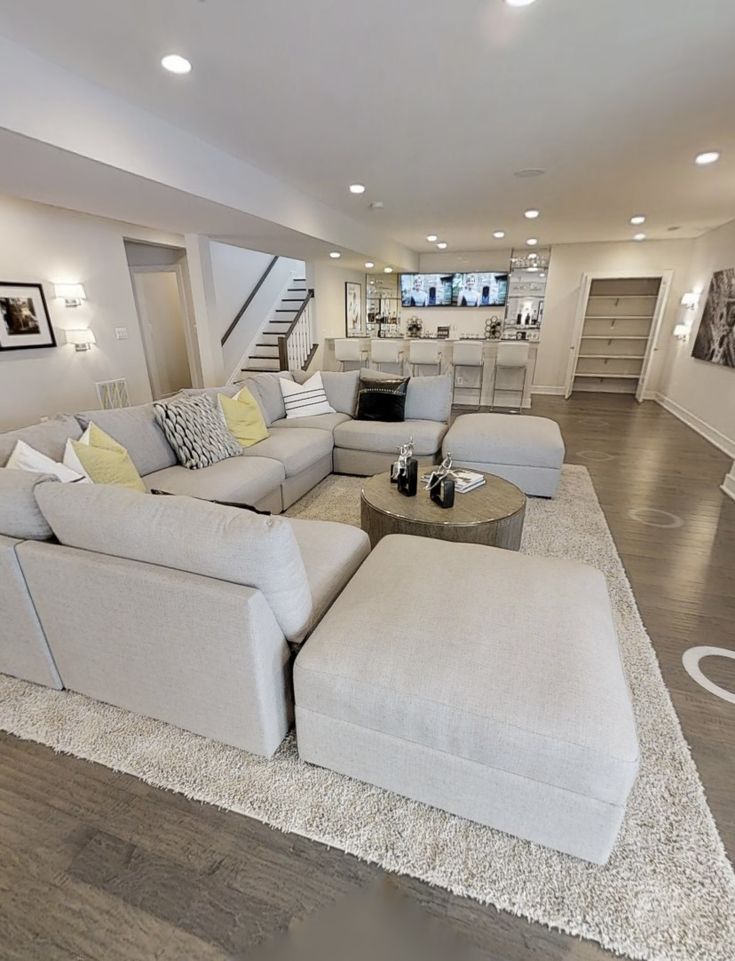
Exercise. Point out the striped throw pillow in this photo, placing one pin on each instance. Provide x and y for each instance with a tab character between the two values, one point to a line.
305	400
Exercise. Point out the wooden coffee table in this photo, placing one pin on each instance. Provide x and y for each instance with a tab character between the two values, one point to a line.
492	514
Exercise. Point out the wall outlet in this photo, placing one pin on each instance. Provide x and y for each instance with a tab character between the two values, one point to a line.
121	333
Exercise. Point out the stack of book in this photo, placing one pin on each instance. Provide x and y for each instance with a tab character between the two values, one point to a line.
467	480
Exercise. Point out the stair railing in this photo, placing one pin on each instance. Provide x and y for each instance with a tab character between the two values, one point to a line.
251	297
296	346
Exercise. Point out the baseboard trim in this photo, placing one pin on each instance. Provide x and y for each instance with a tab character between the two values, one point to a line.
728	485
555	391
714	436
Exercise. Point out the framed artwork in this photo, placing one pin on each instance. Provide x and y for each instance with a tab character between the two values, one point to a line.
715	340
24	319
354	322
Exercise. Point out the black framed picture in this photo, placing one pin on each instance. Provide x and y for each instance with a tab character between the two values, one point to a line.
715	340
353	309
24	318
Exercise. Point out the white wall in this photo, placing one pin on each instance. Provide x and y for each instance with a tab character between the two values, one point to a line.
328	306
47	245
701	393
236	271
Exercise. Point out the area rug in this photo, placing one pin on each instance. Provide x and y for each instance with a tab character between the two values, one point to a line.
668	892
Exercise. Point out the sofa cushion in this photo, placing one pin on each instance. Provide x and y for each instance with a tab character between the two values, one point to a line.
387	438
49	437
137	430
341	388
535	689
320	422
102	460
267	391
244	480
383	400
188	535
332	553
243	417
229	390
296	448
195	427
20	515
429	398
520	440
27	458
305	400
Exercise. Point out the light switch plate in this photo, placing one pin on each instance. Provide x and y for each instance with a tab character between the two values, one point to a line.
121	333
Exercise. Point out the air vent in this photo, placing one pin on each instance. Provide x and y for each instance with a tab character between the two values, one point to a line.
113	393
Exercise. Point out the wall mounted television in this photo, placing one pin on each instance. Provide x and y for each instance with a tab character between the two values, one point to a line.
426	290
478	289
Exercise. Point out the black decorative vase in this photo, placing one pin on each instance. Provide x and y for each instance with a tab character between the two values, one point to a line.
408	480
442	493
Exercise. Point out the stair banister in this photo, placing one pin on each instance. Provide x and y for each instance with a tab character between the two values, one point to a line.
251	296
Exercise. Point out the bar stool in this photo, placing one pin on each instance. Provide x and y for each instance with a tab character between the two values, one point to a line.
511	356
349	350
424	353
384	351
468	353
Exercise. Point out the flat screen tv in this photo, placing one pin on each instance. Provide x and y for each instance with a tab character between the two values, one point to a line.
477	289
426	290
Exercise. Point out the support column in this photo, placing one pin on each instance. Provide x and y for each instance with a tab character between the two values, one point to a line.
204	304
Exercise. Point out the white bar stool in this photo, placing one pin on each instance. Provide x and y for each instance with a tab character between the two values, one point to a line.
511	356
467	353
386	352
424	353
349	350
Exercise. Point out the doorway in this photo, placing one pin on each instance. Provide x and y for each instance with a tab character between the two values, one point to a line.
158	277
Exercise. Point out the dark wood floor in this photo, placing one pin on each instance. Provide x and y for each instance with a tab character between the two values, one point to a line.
96	865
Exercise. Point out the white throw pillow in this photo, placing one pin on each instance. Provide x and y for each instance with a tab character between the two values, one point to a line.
25	457
305	400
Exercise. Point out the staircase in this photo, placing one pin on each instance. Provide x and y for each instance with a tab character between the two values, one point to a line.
265	356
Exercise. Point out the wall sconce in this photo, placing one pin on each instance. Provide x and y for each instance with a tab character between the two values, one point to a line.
73	294
690	300
82	339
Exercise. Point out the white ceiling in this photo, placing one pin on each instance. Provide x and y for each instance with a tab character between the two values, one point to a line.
434	106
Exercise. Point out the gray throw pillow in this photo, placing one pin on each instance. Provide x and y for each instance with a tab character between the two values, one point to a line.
429	398
196	430
20	515
341	389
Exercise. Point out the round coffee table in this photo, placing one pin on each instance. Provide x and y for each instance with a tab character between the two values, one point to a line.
492	514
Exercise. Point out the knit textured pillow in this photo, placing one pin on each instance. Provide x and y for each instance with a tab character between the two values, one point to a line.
196	430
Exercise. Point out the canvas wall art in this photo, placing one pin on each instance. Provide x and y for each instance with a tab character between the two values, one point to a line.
354	326
715	340
24	317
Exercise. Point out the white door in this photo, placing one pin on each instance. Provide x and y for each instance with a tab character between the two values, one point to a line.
652	345
584	293
163	328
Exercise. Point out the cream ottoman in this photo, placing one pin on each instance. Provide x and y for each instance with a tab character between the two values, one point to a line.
479	681
528	451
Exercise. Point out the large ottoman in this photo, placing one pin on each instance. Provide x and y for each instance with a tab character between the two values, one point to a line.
479	681
528	451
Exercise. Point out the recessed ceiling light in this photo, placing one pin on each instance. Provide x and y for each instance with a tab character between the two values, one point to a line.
532	241
639	237
335	254
531	214
498	234
442	245
357	188
369	264
175	64
519	3
432	238
638	219
708	157
387	270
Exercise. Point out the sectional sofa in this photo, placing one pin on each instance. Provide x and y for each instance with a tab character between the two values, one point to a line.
417	667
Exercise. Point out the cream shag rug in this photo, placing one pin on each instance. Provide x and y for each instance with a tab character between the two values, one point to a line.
668	892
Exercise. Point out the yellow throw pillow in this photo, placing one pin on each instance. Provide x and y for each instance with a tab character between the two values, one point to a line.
104	461
243	417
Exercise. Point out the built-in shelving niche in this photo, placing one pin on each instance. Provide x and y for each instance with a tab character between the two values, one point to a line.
618	323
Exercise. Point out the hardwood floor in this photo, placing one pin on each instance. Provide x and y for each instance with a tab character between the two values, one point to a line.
97	866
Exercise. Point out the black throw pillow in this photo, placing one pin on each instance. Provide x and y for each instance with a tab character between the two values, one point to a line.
382	399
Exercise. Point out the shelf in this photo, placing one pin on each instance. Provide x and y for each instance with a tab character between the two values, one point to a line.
610	376
618	317
620	296
614	336
612	356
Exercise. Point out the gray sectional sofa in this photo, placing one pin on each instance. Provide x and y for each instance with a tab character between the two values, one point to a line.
417	666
